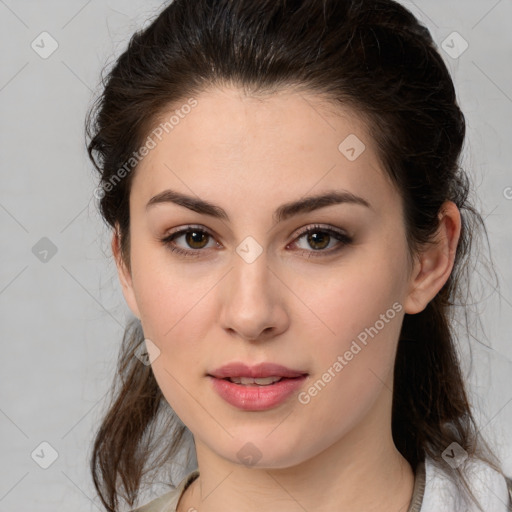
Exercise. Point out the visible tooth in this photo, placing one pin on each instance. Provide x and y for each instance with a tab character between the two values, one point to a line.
264	381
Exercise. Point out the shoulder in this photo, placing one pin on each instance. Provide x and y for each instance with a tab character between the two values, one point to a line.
168	501
442	494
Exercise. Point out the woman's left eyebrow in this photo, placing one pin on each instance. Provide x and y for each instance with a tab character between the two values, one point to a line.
283	212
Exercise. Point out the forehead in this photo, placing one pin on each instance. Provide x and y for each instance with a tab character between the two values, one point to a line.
286	142
227	119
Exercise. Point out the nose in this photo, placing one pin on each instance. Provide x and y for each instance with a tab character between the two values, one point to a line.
253	300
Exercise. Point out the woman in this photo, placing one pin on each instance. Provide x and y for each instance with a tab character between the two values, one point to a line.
290	227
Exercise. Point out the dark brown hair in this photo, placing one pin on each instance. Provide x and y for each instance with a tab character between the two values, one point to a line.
373	56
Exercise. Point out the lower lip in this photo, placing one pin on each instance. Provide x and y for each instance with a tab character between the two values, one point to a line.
254	397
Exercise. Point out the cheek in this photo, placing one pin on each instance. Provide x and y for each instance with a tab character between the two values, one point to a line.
345	302
355	345
175	315
352	373
177	307
169	294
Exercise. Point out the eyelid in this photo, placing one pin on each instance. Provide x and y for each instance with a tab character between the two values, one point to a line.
319	227
188	227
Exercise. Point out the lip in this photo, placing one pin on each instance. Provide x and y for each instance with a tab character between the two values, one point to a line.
255	397
238	369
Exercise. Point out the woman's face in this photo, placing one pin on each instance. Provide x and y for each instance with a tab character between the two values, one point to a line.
245	284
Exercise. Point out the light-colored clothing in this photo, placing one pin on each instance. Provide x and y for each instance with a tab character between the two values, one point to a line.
433	491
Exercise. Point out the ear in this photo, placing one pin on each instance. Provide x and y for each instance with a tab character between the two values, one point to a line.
124	274
434	263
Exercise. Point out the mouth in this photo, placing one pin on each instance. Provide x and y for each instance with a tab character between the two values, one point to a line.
263	374
262	381
257	393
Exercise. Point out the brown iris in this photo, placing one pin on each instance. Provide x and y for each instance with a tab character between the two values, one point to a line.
318	238
193	238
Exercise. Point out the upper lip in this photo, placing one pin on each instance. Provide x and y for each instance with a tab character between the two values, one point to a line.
238	369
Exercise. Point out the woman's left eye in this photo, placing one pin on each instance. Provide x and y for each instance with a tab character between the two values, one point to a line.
317	237
320	238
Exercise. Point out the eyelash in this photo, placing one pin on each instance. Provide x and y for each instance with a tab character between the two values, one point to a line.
342	237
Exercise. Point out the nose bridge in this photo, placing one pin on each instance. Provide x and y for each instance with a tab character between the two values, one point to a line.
252	303
250	276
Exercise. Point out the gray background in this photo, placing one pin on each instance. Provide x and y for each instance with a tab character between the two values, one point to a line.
62	319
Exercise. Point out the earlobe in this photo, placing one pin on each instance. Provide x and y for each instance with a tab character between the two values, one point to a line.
124	274
434	263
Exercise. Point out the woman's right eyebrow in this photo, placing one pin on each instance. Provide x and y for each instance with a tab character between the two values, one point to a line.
283	212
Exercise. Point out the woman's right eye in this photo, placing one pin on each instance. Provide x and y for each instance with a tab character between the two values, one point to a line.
194	237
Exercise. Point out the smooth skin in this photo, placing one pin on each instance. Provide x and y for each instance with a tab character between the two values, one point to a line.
300	303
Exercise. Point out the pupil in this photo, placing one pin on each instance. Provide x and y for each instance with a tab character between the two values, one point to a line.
193	234
318	237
